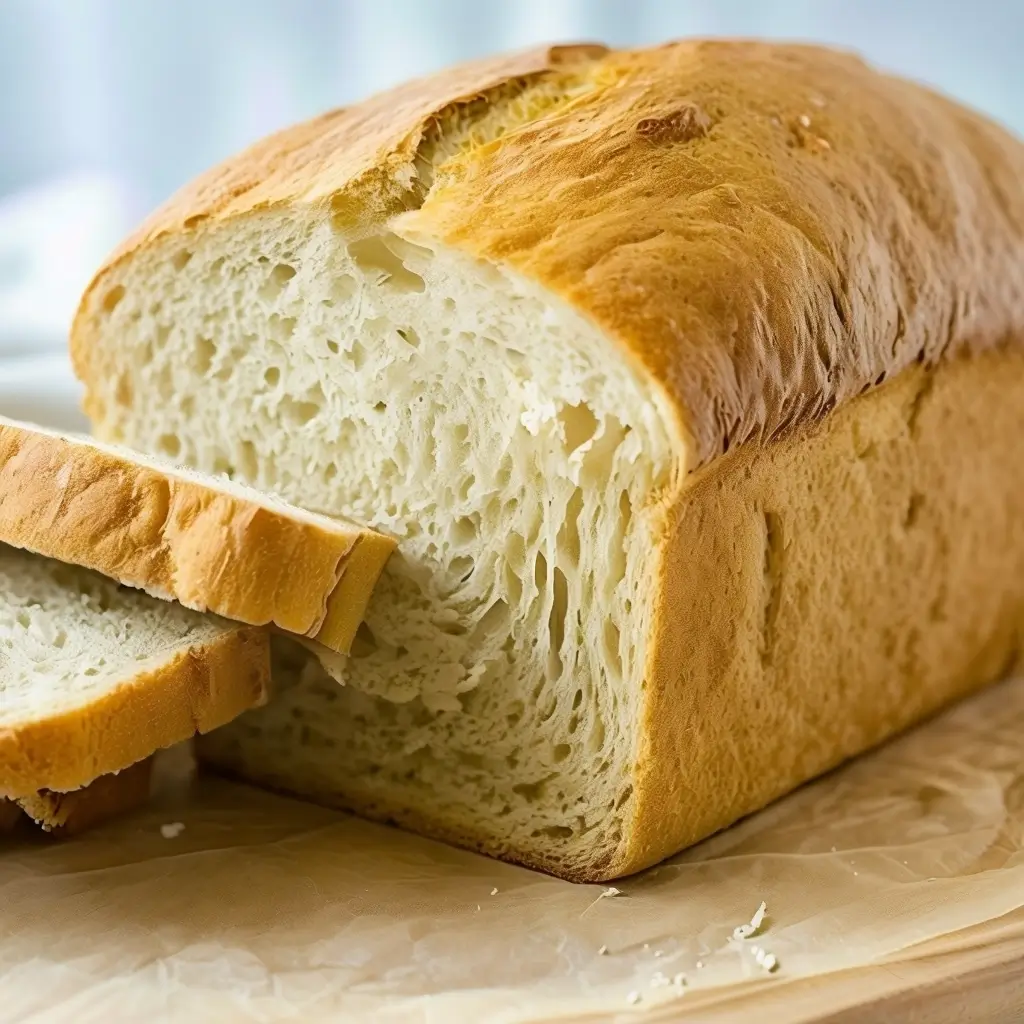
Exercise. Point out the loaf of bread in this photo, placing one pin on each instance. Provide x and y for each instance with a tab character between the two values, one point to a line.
207	543
95	678
690	381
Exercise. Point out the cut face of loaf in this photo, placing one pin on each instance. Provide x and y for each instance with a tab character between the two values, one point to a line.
567	324
206	542
514	454
95	677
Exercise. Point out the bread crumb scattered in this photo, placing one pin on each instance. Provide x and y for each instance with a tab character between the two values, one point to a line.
679	980
805	121
494	891
658	952
659	980
172	830
633	998
767	961
745	931
610	891
833	849
603	951
700	965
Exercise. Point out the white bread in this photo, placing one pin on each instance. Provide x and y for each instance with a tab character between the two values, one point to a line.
95	678
590	333
67	814
206	542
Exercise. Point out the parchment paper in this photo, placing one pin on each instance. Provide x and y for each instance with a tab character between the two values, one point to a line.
269	909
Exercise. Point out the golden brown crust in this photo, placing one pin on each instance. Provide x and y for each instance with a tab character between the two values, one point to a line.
181	539
769	229
109	796
199	689
821	593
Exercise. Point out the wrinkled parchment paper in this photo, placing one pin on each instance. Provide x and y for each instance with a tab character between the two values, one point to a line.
883	875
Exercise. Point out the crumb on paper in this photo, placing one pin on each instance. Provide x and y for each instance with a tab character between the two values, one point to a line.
633	998
745	931
679	980
647	945
700	965
659	980
603	951
172	830
658	952
833	849
494	891
605	894
478	906
805	121
765	960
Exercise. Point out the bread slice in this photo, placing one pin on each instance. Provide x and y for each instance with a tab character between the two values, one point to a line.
67	814
207	543
605	339
95	677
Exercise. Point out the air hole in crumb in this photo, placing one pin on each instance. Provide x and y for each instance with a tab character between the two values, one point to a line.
409	336
170	445
612	639
464	530
333	347
272	376
381	407
276	282
530	791
462	568
382	264
112	298
202	355
579	424
330	472
556	623
24	620
91	671
461	433
561	752
577	699
555	832
180	260
364	643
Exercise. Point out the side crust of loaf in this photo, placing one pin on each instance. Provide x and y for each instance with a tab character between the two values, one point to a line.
827	591
182	540
198	689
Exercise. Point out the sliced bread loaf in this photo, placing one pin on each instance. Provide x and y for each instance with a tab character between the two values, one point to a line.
206	542
95	677
67	814
605	339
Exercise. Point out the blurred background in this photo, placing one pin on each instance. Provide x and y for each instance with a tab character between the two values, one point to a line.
107	106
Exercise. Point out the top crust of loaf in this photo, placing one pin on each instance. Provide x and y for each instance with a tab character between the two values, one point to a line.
768	229
179	537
